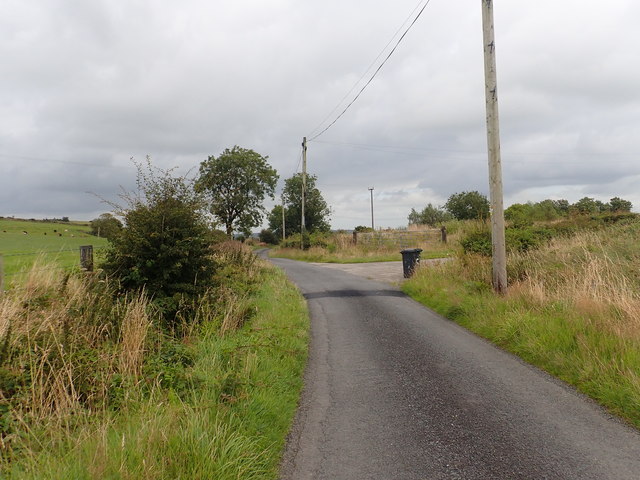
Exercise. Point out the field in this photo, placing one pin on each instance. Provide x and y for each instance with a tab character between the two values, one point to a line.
57	242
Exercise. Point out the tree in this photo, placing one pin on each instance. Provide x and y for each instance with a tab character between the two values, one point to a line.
468	206
617	204
267	236
316	210
106	226
163	248
236	183
586	206
430	215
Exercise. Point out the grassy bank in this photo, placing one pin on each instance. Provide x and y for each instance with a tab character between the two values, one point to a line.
112	396
572	309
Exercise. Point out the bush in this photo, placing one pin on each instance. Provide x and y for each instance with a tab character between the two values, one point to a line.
163	248
518	239
267	236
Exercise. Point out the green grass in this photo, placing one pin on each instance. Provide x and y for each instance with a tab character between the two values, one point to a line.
58	243
231	424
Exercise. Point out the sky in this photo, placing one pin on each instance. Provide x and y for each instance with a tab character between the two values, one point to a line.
87	85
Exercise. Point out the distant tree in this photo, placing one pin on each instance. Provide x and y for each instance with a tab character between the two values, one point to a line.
561	206
586	206
316	211
468	206
163	248
617	204
267	236
362	229
545	210
106	226
430	215
519	213
236	184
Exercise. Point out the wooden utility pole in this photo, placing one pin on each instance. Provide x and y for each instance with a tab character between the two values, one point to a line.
371	191
493	142
283	225
304	188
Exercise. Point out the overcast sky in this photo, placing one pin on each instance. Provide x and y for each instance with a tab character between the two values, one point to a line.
87	84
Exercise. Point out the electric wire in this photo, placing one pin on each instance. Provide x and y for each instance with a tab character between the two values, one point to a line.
317	127
374	73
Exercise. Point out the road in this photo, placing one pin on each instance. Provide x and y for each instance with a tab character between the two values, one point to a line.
394	391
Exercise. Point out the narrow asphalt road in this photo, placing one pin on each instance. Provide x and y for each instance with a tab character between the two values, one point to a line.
394	391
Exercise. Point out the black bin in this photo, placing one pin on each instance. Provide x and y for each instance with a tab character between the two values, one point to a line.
410	260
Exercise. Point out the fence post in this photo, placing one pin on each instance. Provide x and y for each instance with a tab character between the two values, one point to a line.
86	257
1	274
355	238
443	232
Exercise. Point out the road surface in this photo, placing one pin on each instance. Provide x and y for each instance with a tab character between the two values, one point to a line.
394	391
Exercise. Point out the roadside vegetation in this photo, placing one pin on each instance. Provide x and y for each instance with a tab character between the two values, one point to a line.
572	306
181	356
94	386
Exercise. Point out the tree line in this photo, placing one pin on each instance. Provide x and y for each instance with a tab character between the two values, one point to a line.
474	205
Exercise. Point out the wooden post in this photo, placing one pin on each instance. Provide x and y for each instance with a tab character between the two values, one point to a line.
443	234
493	142
355	238
304	188
86	257
1	274
283	226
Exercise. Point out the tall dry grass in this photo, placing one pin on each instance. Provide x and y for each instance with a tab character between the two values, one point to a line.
592	272
64	341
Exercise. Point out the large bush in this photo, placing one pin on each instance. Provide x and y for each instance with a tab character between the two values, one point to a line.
163	247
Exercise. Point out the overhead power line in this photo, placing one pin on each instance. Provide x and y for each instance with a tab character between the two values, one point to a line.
364	74
374	73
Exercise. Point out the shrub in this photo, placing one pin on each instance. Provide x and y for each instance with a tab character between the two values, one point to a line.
267	236
163	247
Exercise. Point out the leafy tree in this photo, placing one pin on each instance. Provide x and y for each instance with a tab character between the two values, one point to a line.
363	229
617	204
267	236
164	246
106	226
561	206
468	205
585	206
316	210
430	215
519	214
236	183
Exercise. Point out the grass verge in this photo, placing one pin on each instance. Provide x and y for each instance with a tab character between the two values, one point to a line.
572	310
218	403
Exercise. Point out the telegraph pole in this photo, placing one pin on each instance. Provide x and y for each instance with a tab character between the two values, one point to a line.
493	143
371	191
283	225
304	188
